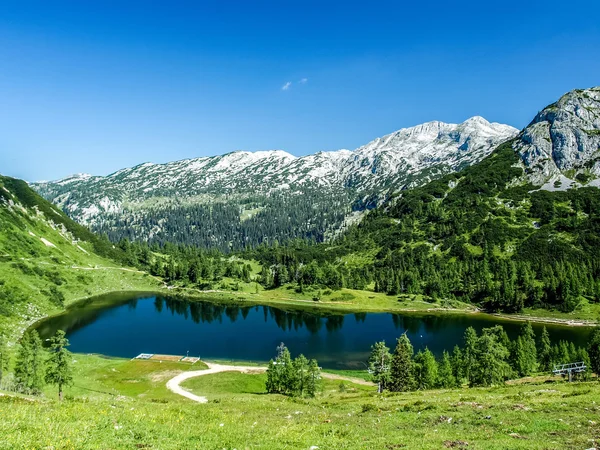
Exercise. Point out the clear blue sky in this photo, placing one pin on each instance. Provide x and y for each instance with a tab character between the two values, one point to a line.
94	86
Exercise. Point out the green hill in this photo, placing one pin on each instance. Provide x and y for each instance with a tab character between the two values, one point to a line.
48	261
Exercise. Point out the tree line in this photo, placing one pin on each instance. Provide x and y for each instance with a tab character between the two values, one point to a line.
487	359
298	377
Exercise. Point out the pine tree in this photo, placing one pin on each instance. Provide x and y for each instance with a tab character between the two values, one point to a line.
564	354
524	355
469	352
380	364
491	366
28	366
301	374
272	383
280	373
594	350
314	381
4	358
445	373
401	373
288	380
545	351
425	369
58	365
37	364
23	365
457	362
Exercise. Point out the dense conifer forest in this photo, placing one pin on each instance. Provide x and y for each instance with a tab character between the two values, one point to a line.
232	224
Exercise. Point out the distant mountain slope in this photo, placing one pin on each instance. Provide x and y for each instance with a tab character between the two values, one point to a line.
244	198
521	228
47	260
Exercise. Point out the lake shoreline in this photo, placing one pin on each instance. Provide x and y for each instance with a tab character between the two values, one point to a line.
337	307
243	298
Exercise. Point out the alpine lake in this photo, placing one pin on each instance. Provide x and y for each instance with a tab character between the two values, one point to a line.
125	325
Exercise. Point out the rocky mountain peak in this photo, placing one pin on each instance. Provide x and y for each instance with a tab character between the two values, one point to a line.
563	136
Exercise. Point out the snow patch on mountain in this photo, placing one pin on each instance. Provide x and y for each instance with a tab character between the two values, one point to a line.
406	157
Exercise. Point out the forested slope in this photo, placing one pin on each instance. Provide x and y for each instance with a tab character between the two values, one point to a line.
488	234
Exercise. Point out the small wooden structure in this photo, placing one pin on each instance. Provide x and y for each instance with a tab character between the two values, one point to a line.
161	358
569	369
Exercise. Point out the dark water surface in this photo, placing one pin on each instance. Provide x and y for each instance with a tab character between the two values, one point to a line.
126	325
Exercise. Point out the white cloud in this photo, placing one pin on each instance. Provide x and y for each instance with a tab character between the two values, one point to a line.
303	81
286	86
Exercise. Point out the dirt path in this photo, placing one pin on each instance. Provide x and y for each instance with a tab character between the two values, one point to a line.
174	383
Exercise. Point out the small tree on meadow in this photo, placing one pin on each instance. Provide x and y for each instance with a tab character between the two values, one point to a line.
426	370
280	373
29	364
58	365
380	365
314	381
301	374
445	376
401	373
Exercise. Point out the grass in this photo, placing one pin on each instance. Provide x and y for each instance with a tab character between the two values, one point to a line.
226	384
237	386
99	377
239	415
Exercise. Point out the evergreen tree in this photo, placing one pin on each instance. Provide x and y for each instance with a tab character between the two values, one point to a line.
380	365
545	351
37	364
457	362
23	365
314	381
28	365
491	366
469	353
524	352
594	350
301	374
288	380
58	366
564	354
426	370
280	373
446	377
4	358
272	383
401	373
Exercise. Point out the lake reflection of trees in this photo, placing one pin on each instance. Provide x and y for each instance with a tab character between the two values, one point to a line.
207	312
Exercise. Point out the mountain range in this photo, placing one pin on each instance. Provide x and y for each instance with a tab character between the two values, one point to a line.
309	197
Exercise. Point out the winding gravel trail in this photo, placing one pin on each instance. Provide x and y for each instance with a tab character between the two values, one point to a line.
174	383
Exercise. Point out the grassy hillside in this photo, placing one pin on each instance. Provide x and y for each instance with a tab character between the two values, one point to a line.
124	404
47	261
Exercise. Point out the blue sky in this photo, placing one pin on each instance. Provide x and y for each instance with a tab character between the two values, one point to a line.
100	85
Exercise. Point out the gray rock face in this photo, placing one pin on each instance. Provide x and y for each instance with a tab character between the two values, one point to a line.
564	136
